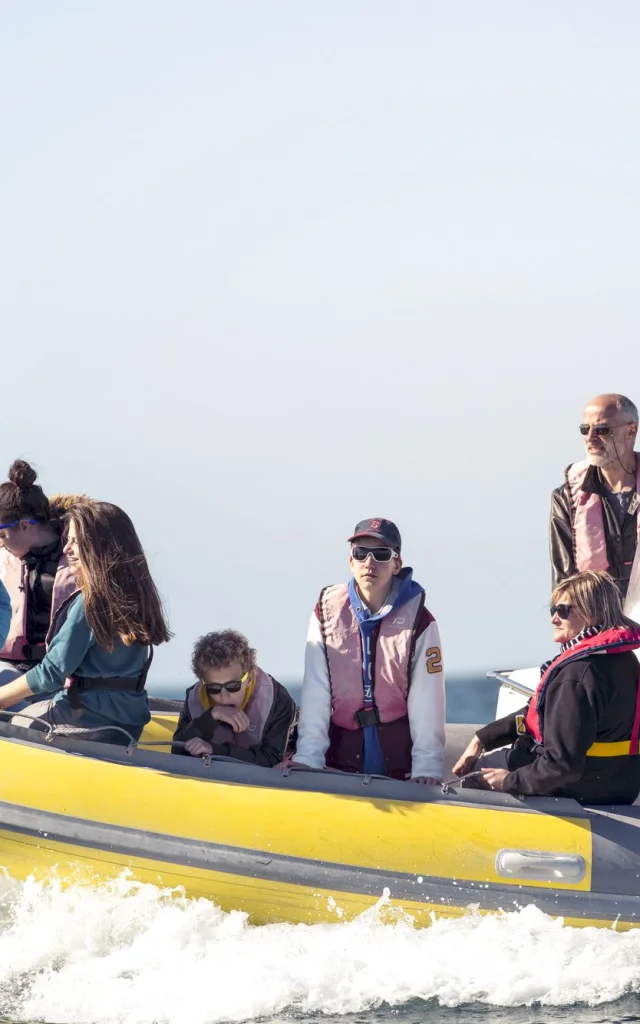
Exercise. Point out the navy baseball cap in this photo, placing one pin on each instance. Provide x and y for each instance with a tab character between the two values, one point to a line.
383	529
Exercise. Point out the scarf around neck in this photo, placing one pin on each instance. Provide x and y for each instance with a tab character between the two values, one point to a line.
566	645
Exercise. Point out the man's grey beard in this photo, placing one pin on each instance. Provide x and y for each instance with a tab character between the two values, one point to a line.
604	458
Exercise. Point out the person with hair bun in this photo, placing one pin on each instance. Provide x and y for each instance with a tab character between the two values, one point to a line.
32	567
100	651
235	709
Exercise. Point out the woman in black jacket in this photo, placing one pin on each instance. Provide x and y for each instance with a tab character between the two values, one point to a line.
578	735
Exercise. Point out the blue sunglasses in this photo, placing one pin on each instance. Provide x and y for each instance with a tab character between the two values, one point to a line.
16	522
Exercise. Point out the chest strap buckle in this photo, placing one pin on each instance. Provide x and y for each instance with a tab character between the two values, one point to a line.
368	716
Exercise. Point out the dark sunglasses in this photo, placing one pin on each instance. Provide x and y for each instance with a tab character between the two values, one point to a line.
231	687
599	429
560	609
361	553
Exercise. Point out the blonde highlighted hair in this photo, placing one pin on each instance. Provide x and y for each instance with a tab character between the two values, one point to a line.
596	599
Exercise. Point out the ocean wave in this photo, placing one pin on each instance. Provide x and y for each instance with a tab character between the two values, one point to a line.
137	954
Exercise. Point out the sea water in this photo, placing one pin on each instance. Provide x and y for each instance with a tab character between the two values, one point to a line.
138	954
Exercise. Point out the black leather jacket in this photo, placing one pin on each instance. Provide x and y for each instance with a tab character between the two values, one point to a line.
621	541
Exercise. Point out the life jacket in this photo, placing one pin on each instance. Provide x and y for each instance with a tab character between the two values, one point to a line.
609	641
589	538
392	657
14	573
257	709
120	684
392	648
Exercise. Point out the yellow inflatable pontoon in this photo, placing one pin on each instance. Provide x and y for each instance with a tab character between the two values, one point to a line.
303	845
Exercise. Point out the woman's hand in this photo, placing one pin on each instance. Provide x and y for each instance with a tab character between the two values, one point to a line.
286	762
197	746
495	777
234	717
469	758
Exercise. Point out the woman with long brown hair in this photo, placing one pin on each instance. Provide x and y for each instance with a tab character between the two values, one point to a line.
98	658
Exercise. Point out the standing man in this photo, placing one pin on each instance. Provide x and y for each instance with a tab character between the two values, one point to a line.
594	514
373	691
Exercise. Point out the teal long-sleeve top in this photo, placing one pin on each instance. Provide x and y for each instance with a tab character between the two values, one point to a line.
74	649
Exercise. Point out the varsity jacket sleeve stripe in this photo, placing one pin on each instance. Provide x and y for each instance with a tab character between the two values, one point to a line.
426	705
315	701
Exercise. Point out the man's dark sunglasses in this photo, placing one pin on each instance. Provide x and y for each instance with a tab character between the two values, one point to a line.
561	609
360	553
599	429
231	687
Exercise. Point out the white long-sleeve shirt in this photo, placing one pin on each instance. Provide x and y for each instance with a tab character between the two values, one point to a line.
425	704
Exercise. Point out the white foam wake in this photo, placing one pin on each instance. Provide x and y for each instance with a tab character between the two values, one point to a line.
137	954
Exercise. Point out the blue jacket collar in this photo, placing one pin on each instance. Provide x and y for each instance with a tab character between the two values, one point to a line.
407	590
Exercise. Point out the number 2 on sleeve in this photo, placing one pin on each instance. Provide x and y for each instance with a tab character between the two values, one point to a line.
434	660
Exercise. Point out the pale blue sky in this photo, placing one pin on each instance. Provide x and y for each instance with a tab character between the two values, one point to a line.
269	268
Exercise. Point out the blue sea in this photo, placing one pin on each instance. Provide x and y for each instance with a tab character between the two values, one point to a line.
137	954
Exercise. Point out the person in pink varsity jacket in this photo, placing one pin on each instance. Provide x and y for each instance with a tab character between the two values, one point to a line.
373	692
594	514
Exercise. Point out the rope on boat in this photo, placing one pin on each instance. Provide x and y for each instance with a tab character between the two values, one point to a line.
63	732
68	731
450	784
72	731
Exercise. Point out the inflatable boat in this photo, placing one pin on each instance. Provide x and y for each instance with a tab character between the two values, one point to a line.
304	845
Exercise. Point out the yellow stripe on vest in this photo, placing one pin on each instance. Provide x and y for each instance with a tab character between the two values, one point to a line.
621	748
